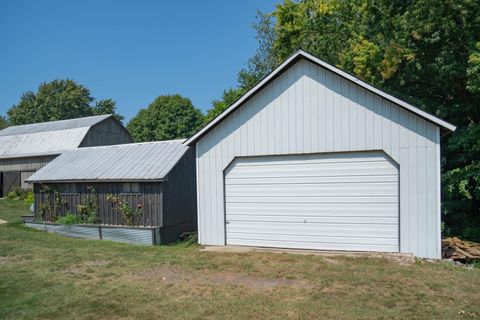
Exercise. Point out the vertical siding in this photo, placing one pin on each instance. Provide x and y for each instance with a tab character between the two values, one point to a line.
180	195
310	110
105	133
150	196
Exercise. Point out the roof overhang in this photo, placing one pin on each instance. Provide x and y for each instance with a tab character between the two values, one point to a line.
96	180
300	54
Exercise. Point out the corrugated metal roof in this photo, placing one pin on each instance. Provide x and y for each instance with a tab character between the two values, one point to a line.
45	138
126	162
53	125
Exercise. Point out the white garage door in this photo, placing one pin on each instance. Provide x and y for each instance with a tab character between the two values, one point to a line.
342	201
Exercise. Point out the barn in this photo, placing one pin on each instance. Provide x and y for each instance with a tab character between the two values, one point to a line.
314	158
158	177
26	148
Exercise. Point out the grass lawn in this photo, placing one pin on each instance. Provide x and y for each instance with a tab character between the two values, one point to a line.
47	276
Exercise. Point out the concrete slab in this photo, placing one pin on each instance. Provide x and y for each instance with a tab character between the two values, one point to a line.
402	258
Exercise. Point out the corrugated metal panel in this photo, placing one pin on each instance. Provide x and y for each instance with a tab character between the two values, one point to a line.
339	201
309	109
138	161
41	143
53	125
127	235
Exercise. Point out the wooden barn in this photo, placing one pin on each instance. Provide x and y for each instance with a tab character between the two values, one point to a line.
26	148
142	185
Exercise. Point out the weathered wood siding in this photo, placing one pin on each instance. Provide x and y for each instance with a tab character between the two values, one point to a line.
180	195
149	195
308	109
24	164
105	133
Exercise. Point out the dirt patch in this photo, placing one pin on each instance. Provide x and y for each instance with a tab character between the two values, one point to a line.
3	221
330	261
96	263
4	260
174	275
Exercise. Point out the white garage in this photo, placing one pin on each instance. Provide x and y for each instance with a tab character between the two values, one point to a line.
338	201
314	158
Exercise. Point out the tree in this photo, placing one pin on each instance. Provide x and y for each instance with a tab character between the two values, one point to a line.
425	52
167	117
58	100
3	122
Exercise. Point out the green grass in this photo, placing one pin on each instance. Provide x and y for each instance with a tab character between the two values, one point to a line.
12	210
46	276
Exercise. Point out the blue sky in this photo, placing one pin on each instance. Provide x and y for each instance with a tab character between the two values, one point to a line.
130	51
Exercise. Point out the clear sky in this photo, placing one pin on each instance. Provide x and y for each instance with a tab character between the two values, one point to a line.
130	51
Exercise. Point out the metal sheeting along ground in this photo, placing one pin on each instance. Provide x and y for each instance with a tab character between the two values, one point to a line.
118	234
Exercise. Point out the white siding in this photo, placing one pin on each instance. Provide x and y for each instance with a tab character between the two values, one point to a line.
308	109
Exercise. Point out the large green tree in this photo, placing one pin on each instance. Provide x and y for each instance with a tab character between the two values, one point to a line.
3	122
167	117
426	52
58	100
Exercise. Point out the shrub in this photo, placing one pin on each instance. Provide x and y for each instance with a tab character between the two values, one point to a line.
17	194
29	198
68	219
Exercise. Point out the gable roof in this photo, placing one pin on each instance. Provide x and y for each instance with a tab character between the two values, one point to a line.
300	54
46	138
149	161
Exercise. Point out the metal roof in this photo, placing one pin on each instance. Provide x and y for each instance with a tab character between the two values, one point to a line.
300	54
46	138
126	162
53	125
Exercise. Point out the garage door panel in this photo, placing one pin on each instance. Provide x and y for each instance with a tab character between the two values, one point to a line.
326	219
315	229
302	171
386	241
318	209
283	243
345	201
313	199
379	178
343	189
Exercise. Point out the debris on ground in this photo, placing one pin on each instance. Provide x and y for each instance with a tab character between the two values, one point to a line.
460	250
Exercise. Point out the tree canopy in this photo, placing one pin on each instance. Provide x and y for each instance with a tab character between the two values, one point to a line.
58	100
3	123
425	52
167	117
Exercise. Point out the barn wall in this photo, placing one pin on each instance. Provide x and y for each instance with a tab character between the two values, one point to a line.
107	132
308	109
24	164
74	194
180	195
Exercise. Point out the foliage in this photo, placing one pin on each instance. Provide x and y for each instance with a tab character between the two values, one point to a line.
167	117
3	122
87	211
69	219
129	215
424	52
29	199
58	100
17	194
